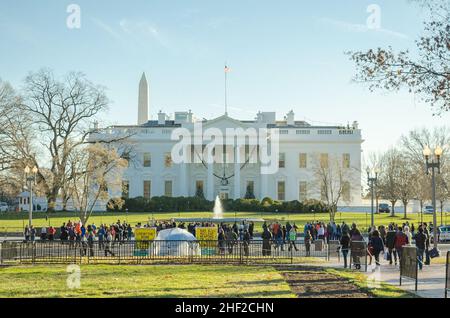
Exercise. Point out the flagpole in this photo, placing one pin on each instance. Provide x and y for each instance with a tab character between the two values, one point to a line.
226	106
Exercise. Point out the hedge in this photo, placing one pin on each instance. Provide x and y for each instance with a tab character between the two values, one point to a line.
187	204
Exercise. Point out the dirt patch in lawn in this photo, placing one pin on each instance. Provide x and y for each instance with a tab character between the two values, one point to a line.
310	282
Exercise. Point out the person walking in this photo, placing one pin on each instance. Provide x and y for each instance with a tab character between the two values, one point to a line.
345	246
390	244
377	246
356	239
420	239
401	239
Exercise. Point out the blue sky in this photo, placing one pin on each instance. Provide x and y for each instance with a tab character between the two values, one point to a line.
283	55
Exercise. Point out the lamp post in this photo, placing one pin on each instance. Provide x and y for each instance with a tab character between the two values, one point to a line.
30	176
434	164
372	179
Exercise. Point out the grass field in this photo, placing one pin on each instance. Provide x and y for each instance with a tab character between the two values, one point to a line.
18	220
145	281
187	281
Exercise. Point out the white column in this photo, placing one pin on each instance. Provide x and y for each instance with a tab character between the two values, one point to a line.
237	173
263	193
183	187
210	183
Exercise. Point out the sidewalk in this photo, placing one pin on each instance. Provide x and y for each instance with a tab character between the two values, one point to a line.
431	282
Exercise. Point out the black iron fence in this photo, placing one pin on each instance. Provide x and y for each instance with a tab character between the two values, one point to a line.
152	252
409	265
447	274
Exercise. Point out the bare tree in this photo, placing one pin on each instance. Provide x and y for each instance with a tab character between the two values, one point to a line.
333	180
373	162
425	73
96	172
443	188
412	146
62	112
389	179
405	182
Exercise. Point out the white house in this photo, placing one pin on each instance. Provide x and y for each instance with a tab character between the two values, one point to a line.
300	146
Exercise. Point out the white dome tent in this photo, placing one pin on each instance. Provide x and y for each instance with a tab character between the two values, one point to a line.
176	242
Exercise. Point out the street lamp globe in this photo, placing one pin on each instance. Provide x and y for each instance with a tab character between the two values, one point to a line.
427	151
34	170
27	169
438	151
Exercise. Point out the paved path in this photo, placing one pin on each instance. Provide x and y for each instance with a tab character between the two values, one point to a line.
431	283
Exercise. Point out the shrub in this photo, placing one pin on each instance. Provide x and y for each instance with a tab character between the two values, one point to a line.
196	203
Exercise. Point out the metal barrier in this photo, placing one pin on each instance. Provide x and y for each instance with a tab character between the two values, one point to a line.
358	254
447	274
409	264
334	250
141	252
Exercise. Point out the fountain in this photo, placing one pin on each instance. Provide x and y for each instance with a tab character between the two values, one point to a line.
218	210
217	216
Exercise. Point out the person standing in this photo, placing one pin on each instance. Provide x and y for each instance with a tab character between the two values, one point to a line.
292	237
246	242
266	237
408	233
108	242
321	232
43	233
32	233
308	240
427	244
345	246
90	240
26	233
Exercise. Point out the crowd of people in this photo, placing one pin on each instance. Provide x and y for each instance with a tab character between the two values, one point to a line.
79	235
388	240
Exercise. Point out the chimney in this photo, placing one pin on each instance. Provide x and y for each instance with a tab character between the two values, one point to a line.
161	118
290	118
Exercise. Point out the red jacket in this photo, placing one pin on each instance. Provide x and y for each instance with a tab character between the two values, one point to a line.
400	240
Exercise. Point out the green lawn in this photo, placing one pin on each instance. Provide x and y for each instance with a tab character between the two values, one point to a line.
18	220
145	281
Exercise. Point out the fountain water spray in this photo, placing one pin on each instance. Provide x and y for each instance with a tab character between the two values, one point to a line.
218	210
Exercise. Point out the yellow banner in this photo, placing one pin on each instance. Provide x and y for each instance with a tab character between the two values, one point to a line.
144	236
206	234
